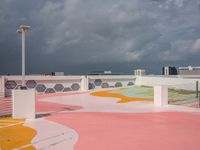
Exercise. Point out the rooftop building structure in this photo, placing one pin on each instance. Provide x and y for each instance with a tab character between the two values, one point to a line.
139	72
168	70
189	70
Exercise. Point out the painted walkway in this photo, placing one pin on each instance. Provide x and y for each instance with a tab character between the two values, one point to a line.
129	131
82	121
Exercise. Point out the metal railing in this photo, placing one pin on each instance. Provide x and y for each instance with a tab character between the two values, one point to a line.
5	106
186	97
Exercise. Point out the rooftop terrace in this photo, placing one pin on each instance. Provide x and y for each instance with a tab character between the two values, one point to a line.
112	118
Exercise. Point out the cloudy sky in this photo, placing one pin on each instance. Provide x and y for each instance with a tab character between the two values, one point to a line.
79	36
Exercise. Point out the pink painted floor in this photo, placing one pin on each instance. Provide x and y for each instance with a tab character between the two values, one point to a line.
133	131
43	106
51	107
103	124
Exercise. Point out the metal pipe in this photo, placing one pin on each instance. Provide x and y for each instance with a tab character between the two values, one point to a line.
199	100
197	89
23	58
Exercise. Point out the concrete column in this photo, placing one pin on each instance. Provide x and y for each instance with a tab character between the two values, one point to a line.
23	104
138	80
84	83
160	95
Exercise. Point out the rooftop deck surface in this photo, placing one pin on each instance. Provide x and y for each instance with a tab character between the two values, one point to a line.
85	121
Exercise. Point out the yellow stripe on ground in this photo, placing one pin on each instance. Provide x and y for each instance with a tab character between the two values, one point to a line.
9	121
13	134
6	123
123	99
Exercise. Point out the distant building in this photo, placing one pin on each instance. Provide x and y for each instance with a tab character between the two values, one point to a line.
169	71
102	73
189	70
139	72
57	73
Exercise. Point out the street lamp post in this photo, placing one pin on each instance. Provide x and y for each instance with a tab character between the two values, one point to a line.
22	30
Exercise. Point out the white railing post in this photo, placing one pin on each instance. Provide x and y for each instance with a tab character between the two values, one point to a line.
84	83
160	95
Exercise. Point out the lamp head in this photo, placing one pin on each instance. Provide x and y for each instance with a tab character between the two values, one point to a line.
23	28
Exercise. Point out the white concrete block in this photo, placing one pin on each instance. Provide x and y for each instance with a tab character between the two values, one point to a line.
84	83
160	95
23	104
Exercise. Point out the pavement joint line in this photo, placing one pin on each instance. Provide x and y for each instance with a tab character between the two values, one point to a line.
11	125
52	144
42	140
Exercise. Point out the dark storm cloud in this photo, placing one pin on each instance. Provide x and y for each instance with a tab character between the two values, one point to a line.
77	36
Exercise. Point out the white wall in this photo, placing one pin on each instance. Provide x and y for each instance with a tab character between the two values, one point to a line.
48	81
174	82
113	77
66	81
2	86
111	81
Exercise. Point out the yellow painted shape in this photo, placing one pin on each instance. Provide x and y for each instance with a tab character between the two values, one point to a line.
123	99
14	135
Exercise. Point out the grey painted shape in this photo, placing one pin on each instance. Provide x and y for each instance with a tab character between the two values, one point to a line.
19	87
59	87
91	86
67	89
40	88
75	86
130	83
97	82
105	85
118	84
50	90
31	84
10	84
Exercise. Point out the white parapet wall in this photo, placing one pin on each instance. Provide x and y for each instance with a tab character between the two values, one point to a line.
56	84
2	86
110	81
170	81
44	84
160	95
23	102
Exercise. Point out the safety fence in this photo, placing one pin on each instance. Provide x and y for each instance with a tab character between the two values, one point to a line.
189	96
5	106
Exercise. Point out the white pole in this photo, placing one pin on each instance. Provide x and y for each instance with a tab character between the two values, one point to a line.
23	58
22	30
